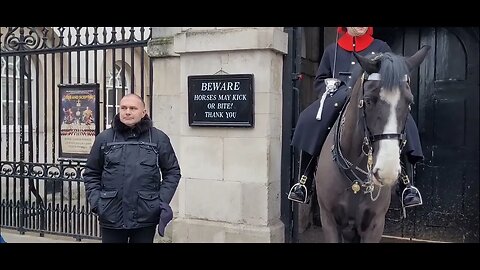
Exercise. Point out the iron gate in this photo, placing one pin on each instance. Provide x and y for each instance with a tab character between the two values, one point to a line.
39	191
290	104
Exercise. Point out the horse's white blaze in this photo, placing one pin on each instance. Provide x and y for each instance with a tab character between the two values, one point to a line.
388	157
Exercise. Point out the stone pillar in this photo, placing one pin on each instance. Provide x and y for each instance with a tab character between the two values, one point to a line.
166	98
166	81
230	186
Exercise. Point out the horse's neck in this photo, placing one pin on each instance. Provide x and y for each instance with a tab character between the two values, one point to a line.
352	130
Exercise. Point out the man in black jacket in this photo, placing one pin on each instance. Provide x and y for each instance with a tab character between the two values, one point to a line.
132	169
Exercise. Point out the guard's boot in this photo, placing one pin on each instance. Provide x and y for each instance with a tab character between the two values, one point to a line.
410	195
302	191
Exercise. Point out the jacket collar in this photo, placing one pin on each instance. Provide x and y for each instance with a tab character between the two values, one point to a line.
144	125
361	43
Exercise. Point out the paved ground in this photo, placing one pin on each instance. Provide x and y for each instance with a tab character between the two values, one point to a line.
314	235
13	236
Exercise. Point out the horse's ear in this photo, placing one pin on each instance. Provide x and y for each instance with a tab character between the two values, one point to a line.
370	66
415	60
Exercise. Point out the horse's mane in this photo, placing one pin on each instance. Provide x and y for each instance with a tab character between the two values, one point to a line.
393	69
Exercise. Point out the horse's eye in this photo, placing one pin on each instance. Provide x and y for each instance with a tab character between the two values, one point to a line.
409	107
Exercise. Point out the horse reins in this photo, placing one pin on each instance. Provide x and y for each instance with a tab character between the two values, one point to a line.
348	169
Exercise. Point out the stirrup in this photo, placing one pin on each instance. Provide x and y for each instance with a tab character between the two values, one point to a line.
413	190
292	194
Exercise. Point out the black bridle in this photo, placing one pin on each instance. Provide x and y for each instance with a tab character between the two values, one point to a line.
352	170
377	137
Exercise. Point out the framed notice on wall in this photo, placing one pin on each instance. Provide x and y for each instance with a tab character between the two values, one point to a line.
221	100
79	118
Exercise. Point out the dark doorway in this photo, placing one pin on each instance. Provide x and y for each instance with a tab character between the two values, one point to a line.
446	110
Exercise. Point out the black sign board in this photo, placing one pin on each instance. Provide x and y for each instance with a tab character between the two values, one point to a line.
220	100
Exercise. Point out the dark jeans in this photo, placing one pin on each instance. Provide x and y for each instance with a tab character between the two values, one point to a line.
2	240
141	235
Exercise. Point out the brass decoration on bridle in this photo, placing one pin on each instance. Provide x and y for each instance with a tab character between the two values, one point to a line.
355	187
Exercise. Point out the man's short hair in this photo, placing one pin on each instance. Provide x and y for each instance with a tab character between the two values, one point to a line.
139	97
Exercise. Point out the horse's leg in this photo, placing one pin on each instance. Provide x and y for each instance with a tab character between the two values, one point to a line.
373	234
329	226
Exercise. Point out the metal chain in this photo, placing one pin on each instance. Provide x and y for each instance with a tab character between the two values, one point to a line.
378	194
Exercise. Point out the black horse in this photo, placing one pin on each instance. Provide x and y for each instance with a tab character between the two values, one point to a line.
360	159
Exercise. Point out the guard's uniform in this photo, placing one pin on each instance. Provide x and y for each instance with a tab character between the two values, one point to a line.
310	133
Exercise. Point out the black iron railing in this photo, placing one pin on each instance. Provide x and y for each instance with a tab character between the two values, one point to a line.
39	191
